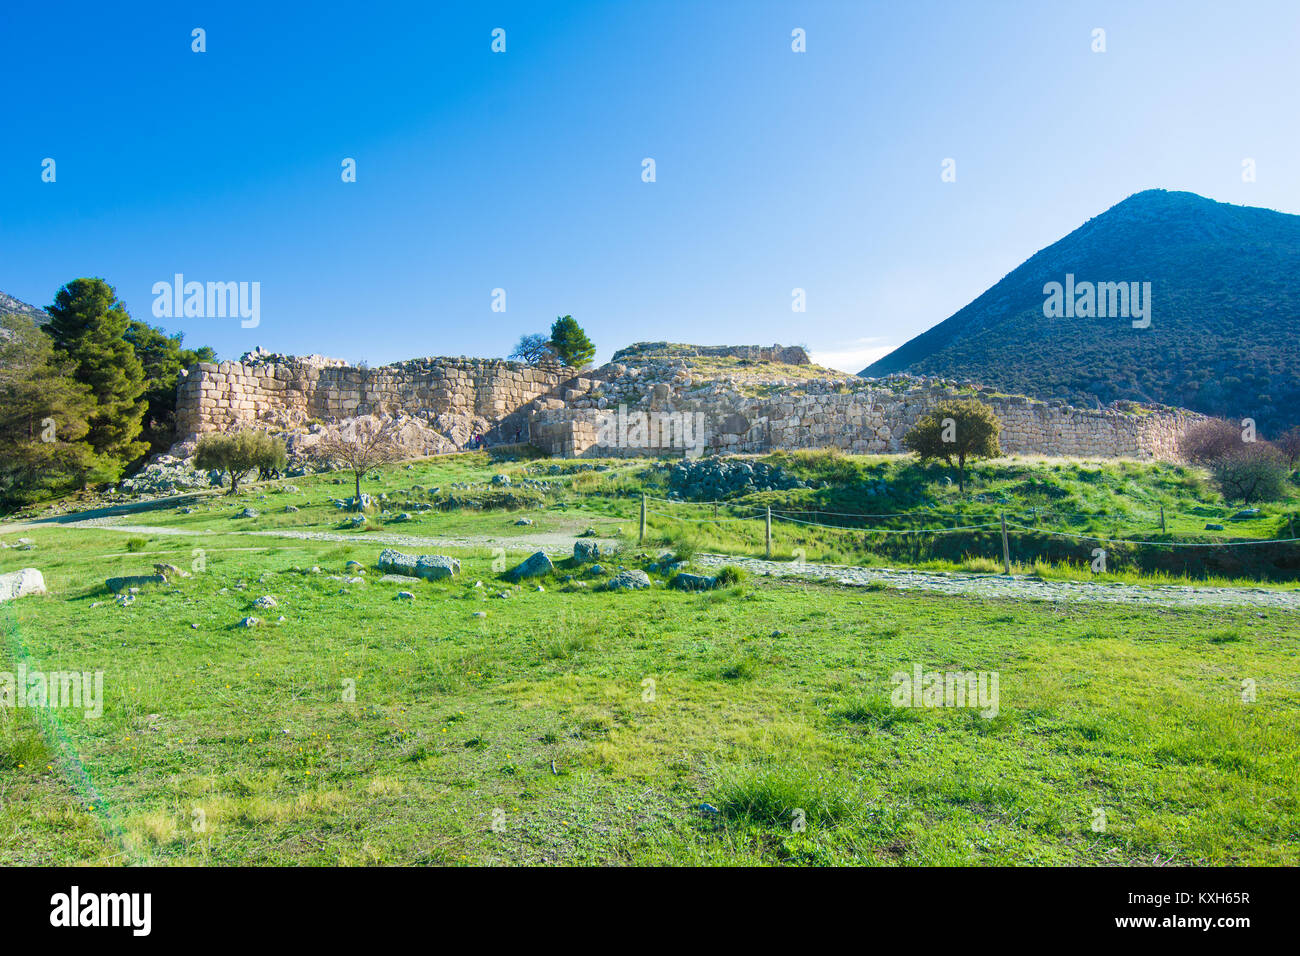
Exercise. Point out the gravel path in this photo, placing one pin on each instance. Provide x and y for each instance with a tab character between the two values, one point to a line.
550	542
1018	586
948	582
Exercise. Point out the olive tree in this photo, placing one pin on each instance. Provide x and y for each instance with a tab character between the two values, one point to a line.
238	453
956	432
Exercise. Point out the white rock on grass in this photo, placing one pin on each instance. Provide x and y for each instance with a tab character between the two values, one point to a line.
18	584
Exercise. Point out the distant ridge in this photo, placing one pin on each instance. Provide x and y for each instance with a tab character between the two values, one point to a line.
11	306
1224	337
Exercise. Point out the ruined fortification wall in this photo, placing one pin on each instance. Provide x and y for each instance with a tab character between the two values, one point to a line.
564	415
871	421
288	394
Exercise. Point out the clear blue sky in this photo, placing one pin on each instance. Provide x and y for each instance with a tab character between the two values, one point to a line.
522	170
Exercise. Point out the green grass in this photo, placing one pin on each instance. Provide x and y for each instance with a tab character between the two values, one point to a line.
767	699
645	727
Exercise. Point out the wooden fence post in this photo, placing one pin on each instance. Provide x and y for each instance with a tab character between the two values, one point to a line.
641	537
1162	519
769	532
1006	545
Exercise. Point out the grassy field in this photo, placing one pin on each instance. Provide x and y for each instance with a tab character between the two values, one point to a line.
574	726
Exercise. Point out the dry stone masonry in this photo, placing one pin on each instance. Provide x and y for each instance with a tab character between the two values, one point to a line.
653	399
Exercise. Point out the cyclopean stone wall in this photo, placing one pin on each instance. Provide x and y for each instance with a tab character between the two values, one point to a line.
292	394
739	409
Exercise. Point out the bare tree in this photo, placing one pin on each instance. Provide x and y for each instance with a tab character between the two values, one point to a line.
533	349
360	446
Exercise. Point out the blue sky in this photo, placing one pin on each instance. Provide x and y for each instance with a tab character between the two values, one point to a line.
521	170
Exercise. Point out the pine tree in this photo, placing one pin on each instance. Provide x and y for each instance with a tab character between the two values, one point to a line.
44	415
88	324
570	343
162	357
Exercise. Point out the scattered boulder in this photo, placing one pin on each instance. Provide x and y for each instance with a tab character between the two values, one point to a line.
247	513
170	571
585	551
534	566
126	582
266	601
1245	513
405	596
628	581
18	584
398	579
430	567
1214	527
693	582
522	522
249	622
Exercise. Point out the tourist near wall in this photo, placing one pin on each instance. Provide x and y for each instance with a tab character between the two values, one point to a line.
755	408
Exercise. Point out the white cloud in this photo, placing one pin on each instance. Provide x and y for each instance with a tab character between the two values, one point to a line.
852	356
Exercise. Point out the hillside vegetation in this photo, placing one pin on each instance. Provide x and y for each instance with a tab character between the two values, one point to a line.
1224	337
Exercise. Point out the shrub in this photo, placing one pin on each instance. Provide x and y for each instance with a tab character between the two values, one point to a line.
730	575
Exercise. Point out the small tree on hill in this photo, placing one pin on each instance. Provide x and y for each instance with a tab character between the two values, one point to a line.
1244	467
364	444
570	343
238	453
956	432
1289	445
1257	471
533	349
1209	441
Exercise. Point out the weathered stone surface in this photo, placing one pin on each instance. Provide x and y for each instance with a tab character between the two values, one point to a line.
119	584
18	584
443	403
535	565
430	567
693	582
586	551
628	581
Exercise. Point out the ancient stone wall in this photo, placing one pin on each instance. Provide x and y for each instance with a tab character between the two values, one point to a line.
686	411
869	421
291	395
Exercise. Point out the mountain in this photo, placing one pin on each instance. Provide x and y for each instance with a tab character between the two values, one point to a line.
11	306
1224	333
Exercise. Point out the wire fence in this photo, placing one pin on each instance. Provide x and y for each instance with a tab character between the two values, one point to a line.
974	524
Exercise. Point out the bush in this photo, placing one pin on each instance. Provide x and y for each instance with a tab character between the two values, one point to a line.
730	575
1255	472
240	452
